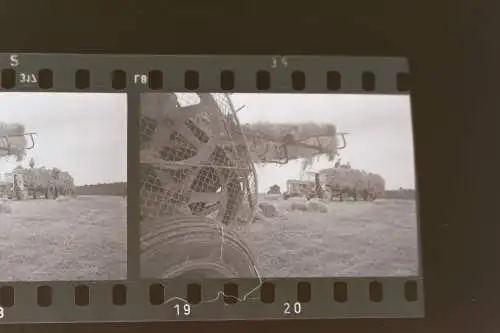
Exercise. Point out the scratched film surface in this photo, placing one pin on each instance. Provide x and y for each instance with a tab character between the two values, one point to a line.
276	186
63	177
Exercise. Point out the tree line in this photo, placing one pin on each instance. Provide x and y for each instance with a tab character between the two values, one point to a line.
117	189
402	193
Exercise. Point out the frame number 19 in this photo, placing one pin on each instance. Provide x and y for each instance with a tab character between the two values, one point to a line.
182	310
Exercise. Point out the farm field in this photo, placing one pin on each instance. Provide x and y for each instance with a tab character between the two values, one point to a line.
82	238
376	238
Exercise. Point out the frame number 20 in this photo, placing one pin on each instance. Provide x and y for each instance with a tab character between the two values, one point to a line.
294	308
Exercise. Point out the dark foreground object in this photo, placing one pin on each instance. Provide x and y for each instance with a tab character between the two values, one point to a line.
192	247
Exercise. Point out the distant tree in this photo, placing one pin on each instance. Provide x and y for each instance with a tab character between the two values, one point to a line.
32	163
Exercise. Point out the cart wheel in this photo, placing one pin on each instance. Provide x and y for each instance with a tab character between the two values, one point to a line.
192	247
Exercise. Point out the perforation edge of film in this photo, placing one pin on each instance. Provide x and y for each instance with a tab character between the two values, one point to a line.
138	307
173	68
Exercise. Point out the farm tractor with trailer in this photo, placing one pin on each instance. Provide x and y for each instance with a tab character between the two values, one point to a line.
23	183
198	180
341	182
46	183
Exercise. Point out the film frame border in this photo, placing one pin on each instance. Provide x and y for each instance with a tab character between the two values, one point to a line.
132	75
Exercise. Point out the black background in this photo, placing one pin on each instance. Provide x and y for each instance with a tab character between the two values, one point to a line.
453	56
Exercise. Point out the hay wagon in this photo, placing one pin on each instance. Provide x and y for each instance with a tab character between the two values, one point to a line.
47	183
344	183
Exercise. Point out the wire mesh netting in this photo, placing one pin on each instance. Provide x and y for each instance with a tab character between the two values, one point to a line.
194	158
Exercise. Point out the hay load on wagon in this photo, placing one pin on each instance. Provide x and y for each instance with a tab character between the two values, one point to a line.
346	183
46	183
36	183
198	174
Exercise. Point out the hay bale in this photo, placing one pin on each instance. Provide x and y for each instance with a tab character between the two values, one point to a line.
268	209
258	215
5	207
317	207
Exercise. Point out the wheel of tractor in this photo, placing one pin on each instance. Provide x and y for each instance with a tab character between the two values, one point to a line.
192	247
366	195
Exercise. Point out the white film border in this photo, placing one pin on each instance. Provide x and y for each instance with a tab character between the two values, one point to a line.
359	297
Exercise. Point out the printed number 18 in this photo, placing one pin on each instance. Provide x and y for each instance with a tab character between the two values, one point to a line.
2	313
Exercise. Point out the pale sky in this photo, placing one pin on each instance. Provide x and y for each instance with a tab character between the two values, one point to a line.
84	134
380	127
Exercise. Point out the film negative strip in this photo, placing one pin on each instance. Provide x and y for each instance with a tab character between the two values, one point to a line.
162	188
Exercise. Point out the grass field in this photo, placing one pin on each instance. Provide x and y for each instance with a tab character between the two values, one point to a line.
81	238
353	239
